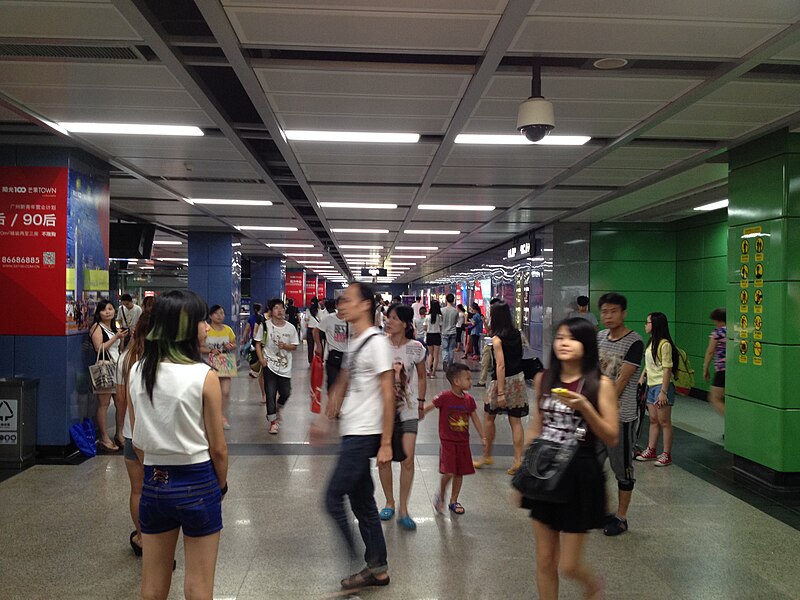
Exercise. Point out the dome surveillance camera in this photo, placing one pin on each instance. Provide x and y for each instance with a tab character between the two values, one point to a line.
535	118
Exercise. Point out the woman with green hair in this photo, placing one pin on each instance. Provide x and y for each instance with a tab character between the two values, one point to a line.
176	416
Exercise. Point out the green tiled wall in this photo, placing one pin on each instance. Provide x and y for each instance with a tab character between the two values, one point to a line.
679	269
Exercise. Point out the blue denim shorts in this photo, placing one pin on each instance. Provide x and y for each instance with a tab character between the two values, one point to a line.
654	390
186	497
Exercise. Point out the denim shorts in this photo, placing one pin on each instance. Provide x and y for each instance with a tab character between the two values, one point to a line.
185	496
128	451
654	390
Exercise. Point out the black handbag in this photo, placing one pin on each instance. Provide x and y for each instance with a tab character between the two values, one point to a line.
531	366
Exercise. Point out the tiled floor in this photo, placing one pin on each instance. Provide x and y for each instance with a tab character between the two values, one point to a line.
65	528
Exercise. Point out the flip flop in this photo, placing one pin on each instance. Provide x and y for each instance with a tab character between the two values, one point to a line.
438	504
407	523
386	513
456	508
363	579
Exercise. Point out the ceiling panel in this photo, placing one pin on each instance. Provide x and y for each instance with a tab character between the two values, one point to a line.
531	216
113	114
7	115
563	198
775	11
65	20
596	129
294	27
363	193
422	125
756	92
644	157
153	207
362	105
474	195
572	109
436	218
243	214
701	130
191	222
191	148
121	98
488	176
464	6
229	190
80	74
597	36
598	176
364	173
464	155
365	214
134	188
205	168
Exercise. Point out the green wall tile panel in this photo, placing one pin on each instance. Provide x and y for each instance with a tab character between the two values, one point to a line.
715	239
780	316
627	244
689	244
711	300
763	434
775	383
757	192
688	276
691	337
635	276
781	252
687	305
713	273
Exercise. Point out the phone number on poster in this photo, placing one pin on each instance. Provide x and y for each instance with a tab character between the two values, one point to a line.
21	260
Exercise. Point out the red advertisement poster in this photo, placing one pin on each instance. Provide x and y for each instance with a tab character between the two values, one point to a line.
311	288
321	291
33	260
295	287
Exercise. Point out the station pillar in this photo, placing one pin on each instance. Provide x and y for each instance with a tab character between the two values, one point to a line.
266	280
215	271
762	420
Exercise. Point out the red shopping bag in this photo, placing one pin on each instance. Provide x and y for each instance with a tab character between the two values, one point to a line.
316	383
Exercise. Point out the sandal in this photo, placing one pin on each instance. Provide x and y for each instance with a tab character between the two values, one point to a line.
106	448
483	461
386	513
456	508
137	548
407	523
513	470
438	504
362	579
120	443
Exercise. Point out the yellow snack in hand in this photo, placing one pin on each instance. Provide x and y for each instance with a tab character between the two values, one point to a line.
560	391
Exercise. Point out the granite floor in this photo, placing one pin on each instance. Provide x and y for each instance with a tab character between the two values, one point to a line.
65	528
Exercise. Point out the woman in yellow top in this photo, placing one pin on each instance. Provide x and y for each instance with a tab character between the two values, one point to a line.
220	349
660	359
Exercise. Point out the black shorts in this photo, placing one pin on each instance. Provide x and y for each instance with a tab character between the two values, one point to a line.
719	379
433	339
518	412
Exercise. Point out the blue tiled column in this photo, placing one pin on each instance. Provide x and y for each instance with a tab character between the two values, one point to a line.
265	279
214	271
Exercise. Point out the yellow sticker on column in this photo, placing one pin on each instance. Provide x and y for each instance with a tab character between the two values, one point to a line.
745	246
743	352
744	274
760	248
743	298
743	326
758	324
757	353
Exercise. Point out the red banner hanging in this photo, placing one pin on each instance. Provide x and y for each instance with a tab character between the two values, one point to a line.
295	287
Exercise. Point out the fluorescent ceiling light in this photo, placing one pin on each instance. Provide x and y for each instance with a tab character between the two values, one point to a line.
132	129
290	245
432	232
416	247
236	244
229	202
356	247
403	264
173	259
146	268
519	140
398	257
475	207
302	254
349	230
352	136
263	228
361	256
313	262
713	205
166	243
357	205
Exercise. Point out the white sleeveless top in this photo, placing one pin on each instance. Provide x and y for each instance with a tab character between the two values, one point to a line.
170	430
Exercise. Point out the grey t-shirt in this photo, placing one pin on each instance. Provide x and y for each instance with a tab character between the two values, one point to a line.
449	320
589	316
613	354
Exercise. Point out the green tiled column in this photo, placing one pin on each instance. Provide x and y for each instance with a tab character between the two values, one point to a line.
762	419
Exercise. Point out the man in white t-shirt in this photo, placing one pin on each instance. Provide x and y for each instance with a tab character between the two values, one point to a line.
417	305
363	398
128	313
337	334
275	341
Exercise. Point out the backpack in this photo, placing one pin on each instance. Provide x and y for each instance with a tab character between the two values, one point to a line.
684	374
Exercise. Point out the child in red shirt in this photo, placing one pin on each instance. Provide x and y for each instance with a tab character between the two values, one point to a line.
456	408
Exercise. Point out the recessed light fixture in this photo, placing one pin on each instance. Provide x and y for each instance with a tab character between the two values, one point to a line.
173	259
132	129
398	257
166	243
610	63
229	202
263	228
236	244
404	264
416	247
432	232
356	247
357	205
302	254
289	245
352	136
475	207
146	268
361	256
349	230
713	205
518	140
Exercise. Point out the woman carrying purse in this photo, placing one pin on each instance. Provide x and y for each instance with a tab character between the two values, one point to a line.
573	399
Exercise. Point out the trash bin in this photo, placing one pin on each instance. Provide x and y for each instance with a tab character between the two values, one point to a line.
18	422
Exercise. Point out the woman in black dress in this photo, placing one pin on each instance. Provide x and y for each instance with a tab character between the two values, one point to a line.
572	397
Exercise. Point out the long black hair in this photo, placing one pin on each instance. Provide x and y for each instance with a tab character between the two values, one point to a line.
659	332
502	323
173	333
367	294
406	315
436	311
582	331
101	306
313	308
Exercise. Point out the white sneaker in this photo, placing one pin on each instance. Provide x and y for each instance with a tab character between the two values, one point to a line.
273	427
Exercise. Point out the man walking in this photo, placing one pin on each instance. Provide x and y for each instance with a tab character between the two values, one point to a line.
449	322
621	351
275	341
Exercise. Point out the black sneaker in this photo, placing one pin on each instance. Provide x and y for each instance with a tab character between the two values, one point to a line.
617	526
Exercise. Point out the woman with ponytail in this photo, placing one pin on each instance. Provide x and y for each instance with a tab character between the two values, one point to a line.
408	359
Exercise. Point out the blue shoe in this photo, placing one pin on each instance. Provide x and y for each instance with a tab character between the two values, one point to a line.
407	523
386	513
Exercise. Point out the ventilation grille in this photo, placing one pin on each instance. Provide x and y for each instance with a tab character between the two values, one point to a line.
53	51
